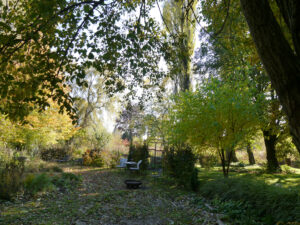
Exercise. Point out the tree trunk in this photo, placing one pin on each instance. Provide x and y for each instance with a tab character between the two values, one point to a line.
281	62
233	155
223	162
270	142
250	154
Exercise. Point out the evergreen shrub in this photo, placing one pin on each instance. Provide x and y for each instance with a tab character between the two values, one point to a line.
179	163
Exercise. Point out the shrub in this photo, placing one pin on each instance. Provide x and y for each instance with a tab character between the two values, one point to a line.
42	182
115	157
36	183
208	160
180	164
268	203
137	153
111	157
54	153
93	158
66	181
194	180
11	177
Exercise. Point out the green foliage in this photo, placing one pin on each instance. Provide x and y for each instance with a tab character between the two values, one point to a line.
114	150
11	177
45	129
56	34
268	203
34	184
218	116
286	149
207	158
234	210
93	136
66	181
111	157
93	158
179	21
37	183
179	163
139	152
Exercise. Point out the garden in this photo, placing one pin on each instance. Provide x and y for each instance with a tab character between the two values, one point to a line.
149	112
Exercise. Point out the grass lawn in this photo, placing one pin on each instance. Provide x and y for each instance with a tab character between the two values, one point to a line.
102	198
291	179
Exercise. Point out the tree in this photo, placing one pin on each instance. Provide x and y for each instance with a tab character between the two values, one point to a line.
91	100
217	116
46	45
230	48
43	130
250	154
180	22
130	122
279	56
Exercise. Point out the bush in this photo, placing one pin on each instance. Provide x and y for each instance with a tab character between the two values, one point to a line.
11	177
268	203
54	153
66	181
137	153
111	158
115	158
195	180
207	161
93	158
180	164
36	183
42	182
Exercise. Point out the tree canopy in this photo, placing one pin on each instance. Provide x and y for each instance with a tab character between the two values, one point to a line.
45	45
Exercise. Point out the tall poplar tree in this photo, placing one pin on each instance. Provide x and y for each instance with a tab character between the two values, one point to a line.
180	23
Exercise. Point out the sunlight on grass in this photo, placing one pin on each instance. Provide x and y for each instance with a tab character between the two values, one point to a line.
91	194
255	172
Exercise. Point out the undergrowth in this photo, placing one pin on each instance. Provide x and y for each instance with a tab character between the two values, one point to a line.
34	184
242	197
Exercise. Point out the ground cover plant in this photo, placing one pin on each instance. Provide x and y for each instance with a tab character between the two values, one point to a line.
254	195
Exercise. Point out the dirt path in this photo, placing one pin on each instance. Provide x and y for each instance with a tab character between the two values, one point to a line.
103	199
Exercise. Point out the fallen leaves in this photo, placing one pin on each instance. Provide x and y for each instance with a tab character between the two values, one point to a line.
103	198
